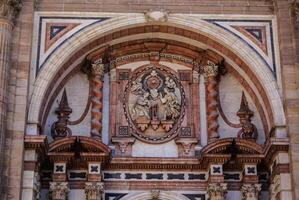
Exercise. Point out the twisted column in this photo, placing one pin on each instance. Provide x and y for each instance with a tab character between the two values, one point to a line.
97	74
9	10
210	72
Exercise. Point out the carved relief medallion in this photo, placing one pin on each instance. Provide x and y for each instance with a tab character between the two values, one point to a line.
154	103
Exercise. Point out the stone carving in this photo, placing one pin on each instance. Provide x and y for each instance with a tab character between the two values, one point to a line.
59	128
216	191
210	72
9	9
248	130
156	16
93	190
250	191
155	194
36	186
296	10
58	190
155	103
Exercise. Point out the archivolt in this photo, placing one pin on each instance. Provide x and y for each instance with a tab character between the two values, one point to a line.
82	44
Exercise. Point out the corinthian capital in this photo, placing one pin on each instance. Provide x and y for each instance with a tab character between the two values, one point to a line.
250	191
211	69
59	190
9	9
93	190
98	68
217	191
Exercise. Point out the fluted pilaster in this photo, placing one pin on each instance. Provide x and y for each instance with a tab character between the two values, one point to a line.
210	72
9	10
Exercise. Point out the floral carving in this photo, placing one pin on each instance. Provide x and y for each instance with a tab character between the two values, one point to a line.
250	191
155	103
217	191
9	9
58	190
93	190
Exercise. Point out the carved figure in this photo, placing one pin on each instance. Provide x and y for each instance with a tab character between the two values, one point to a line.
172	108
169	82
141	107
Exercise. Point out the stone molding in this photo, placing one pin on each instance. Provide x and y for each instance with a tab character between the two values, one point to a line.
10	9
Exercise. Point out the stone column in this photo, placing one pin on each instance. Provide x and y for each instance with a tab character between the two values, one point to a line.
216	191
9	10
210	72
97	75
94	190
58	190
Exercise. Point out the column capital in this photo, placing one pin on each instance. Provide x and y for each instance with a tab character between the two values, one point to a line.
217	191
250	191
59	190
98	68
210	70
10	9
93	190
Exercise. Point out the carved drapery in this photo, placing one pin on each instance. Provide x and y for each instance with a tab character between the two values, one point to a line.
97	75
250	191
210	72
58	190
93	190
217	191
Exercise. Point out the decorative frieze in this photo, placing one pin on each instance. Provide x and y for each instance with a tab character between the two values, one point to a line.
216	191
59	190
250	191
94	190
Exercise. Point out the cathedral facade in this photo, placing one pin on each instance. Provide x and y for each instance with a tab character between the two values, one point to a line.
149	100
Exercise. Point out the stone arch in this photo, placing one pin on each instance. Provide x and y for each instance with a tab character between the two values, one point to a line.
148	196
65	51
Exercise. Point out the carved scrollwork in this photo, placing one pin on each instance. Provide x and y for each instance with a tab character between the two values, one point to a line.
154	104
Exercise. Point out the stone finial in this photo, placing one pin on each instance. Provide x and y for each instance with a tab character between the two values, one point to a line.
156	15
10	9
217	191
59	190
248	130
93	190
59	128
250	191
210	70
